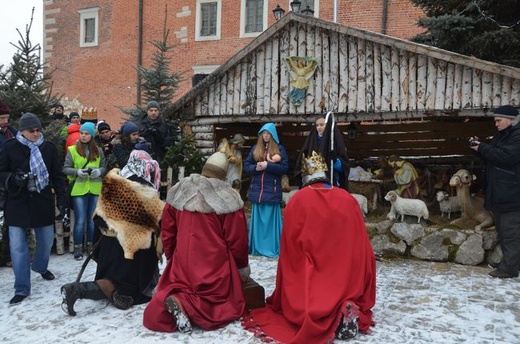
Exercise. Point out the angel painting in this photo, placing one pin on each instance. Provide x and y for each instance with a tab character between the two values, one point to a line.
301	69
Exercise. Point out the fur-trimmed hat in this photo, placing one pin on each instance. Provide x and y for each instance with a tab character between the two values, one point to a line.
153	104
128	128
506	111
216	166
29	121
4	108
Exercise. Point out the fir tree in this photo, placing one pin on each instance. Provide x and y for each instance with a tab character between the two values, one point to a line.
157	83
22	84
184	154
487	29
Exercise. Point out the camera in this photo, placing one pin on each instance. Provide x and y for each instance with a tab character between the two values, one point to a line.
473	141
88	170
31	181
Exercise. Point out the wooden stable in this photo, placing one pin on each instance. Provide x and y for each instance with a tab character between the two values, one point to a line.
403	98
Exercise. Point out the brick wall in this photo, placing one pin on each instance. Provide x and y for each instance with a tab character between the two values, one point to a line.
104	76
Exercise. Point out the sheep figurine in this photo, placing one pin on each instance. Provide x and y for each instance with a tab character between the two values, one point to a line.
447	204
406	206
363	202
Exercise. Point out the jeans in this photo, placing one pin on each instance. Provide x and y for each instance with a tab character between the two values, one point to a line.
19	246
84	207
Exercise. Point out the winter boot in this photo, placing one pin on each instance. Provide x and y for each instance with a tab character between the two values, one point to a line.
122	301
80	290
78	252
182	321
348	326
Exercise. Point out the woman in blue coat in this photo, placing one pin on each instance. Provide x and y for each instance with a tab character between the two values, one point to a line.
266	163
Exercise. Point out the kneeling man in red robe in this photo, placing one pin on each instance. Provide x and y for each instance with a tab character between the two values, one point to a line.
326	277
204	235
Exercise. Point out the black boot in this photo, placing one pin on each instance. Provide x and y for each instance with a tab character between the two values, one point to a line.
80	290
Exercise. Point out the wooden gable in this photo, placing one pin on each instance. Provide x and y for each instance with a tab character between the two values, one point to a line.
406	98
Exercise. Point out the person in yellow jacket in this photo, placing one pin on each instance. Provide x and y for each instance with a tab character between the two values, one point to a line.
85	167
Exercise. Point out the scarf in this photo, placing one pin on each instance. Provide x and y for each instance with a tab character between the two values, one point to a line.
36	163
7	133
141	164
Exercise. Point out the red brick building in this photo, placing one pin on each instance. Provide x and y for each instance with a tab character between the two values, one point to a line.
93	46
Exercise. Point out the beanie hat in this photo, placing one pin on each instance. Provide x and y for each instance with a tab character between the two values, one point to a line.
216	166
128	128
74	114
153	104
90	127
29	121
506	111
271	128
103	126
4	109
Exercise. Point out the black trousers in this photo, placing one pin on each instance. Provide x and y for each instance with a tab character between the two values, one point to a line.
508	229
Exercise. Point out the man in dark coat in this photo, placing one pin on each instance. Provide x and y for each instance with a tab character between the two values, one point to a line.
30	168
502	186
156	131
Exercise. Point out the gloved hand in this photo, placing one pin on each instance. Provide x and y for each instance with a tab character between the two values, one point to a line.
61	214
95	173
338	166
20	179
82	173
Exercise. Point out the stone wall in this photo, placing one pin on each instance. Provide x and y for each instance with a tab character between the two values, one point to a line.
463	246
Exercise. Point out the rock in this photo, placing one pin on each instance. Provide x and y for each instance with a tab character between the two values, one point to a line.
431	248
407	232
471	251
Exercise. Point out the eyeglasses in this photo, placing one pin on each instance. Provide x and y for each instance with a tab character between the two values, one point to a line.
32	131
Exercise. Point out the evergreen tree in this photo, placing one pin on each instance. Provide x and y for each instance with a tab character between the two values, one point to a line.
157	83
487	29
22	84
184	154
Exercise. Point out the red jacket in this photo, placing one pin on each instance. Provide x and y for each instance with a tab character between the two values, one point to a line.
73	136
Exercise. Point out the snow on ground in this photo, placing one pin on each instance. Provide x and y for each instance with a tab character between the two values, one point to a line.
417	302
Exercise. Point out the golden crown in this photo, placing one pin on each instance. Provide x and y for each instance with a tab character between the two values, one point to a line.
313	164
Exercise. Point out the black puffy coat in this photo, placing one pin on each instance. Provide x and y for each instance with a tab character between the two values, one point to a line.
502	170
24	208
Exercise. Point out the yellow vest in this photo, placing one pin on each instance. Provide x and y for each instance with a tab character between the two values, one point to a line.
83	185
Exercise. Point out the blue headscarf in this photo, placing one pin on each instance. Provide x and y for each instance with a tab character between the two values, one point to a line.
271	128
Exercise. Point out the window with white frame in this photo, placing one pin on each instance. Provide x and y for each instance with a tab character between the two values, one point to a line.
253	17
207	25
88	28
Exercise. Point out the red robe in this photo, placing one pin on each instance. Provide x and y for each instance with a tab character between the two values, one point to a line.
204	252
326	259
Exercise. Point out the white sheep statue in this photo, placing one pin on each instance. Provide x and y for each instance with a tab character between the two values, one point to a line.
471	207
448	204
363	203
406	206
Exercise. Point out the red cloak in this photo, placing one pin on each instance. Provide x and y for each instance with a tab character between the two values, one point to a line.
204	253
326	259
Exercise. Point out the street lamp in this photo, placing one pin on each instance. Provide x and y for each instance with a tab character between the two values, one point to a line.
308	11
278	12
296	5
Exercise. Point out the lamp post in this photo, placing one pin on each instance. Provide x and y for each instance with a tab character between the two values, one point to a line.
308	11
278	12
296	5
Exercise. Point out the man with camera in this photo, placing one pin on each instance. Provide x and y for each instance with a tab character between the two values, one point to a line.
501	157
30	169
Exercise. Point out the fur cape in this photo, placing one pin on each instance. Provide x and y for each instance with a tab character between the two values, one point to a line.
131	210
199	194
